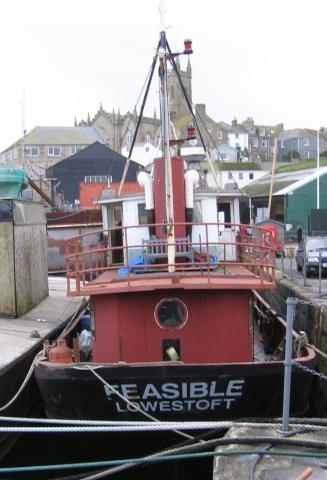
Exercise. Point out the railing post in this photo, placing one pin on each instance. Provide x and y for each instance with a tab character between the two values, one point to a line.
290	302
68	267
77	273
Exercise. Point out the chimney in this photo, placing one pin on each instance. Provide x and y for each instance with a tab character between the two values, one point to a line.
234	122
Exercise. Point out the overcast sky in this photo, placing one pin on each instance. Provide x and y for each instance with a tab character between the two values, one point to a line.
258	58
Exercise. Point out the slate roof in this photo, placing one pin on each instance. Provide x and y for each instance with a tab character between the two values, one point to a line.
284	182
62	136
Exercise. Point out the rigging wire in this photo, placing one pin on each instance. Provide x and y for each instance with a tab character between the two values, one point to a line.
146	82
190	105
139	118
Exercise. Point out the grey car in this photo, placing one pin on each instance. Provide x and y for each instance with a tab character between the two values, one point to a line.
309	252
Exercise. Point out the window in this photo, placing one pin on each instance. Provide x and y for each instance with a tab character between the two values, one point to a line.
148	138
129	137
225	207
143	218
32	151
74	149
171	313
98	179
252	129
236	135
255	142
219	134
306	141
262	132
251	176
240	175
282	144
264	143
147	149
54	151
209	127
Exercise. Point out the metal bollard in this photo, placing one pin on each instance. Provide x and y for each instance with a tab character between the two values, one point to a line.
290	302
319	272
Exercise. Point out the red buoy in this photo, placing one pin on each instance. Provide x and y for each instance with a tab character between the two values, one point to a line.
60	353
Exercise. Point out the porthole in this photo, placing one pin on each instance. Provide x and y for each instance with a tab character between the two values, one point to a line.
171	313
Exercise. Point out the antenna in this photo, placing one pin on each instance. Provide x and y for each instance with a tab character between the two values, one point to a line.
162	12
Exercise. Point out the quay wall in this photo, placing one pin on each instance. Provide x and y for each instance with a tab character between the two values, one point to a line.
310	318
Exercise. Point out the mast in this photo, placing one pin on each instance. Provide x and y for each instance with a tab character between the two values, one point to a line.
165	122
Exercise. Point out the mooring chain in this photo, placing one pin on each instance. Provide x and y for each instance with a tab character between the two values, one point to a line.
309	370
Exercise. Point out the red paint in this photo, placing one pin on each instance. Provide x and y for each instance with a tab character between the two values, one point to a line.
90	192
217	329
177	164
60	353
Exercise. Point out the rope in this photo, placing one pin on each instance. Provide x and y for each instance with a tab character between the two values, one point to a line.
184	456
139	409
156	425
23	385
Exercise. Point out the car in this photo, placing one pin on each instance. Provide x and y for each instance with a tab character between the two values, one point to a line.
308	253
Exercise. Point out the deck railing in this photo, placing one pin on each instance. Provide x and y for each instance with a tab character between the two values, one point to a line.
214	249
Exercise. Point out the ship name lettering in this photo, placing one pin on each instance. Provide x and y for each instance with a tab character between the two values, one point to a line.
184	392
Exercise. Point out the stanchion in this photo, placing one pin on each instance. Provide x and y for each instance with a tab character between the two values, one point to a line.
290	302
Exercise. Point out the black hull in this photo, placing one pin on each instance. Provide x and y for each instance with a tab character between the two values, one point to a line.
172	392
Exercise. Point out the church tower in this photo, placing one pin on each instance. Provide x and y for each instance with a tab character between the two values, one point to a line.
177	103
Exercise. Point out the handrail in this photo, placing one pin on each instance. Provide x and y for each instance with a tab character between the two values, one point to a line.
220	246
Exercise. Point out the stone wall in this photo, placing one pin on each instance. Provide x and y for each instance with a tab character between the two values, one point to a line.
309	318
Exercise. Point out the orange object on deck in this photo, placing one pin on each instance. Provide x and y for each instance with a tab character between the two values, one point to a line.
60	353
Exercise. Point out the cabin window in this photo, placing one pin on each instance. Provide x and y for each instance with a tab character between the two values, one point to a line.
143	219
226	210
171	313
250	176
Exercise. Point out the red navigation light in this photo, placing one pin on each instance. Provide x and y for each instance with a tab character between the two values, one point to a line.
190	132
187	47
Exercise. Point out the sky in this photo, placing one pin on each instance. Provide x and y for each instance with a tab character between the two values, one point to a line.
252	58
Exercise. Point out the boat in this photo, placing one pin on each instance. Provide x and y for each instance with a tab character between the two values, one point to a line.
171	334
